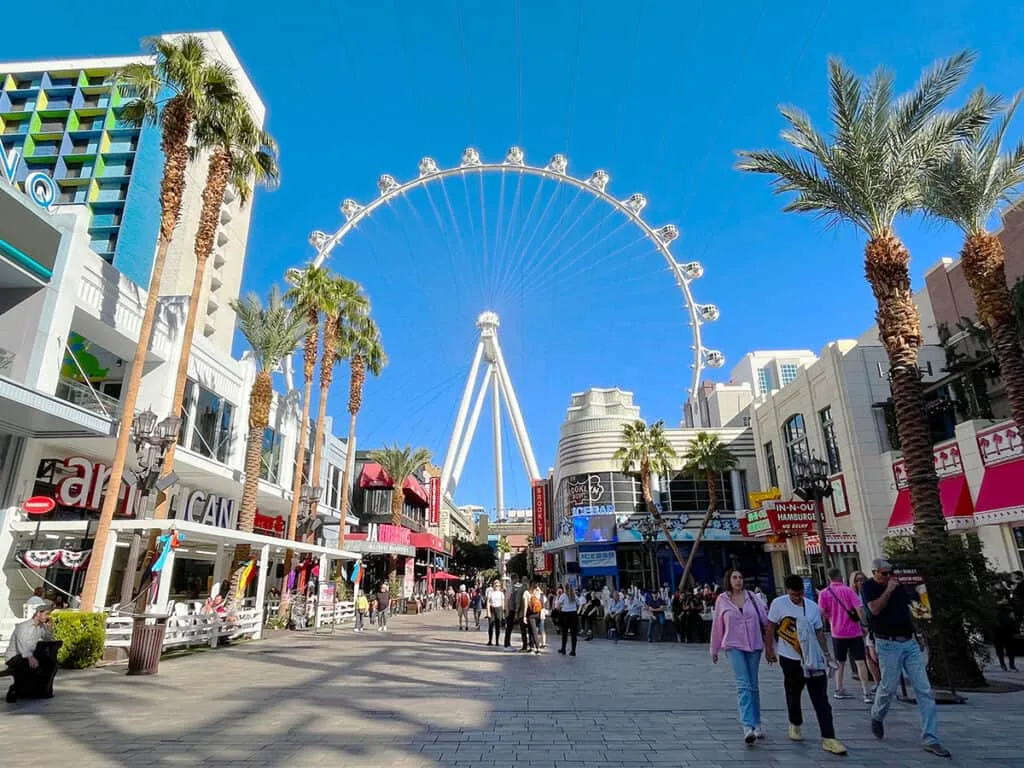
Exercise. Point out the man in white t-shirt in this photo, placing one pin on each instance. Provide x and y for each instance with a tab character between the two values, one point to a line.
495	604
804	657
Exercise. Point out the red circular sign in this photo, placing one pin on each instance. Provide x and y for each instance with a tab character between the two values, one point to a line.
38	505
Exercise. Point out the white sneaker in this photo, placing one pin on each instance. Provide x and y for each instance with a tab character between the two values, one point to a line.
758	733
748	735
380	629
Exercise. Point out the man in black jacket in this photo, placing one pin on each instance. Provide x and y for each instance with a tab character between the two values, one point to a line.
514	615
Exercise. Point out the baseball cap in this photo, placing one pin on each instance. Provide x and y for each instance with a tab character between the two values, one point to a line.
881	564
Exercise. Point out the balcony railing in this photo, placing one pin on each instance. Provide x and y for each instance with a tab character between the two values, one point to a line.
84	396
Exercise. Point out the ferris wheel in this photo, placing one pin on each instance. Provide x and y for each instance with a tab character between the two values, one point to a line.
496	381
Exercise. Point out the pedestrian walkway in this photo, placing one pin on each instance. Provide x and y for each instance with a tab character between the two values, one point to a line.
425	694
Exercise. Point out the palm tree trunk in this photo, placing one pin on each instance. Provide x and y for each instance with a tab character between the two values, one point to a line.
645	485
209	220
176	124
300	458
346	479
327	361
943	564
397	502
985	269
712	506
355	401
260	400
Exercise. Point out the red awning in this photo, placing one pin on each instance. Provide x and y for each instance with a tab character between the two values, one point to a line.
445	576
957	507
1001	498
374	476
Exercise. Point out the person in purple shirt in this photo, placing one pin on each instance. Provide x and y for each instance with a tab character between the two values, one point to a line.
845	611
739	626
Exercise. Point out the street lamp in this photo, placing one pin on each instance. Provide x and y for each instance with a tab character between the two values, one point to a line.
814	484
152	441
649	530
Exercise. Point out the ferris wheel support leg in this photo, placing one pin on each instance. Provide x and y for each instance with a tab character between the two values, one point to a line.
474	418
460	419
498	482
518	425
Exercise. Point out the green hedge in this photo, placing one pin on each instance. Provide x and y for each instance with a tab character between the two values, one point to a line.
83	635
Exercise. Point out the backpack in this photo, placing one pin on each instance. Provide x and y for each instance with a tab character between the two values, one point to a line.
463	600
535	604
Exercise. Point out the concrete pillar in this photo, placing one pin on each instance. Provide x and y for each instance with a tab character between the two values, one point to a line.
106	567
738	502
261	587
163	590
220	565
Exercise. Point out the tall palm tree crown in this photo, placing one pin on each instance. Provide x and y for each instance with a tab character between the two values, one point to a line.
273	332
647	451
178	86
399	463
706	458
967	187
870	170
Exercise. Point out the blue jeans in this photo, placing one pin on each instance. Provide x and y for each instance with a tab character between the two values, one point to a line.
905	657
745	665
660	619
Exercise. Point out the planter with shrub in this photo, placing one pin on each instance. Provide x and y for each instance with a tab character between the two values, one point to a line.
83	635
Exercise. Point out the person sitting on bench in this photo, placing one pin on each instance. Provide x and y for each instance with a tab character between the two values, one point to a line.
33	668
591	612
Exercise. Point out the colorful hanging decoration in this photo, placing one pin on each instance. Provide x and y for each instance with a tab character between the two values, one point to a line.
243	579
41	559
168	542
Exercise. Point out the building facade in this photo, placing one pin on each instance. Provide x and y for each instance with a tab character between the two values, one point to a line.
69	325
595	518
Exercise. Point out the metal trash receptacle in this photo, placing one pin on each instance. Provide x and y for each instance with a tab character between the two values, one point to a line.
147	643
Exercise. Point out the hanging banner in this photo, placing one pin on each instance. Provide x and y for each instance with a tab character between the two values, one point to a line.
540	507
41	559
434	494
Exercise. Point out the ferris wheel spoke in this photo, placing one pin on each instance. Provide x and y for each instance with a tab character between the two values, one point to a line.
503	275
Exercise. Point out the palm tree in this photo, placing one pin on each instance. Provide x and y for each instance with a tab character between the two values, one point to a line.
648	452
347	305
360	343
173	92
311	294
867	173
706	458
399	464
242	154
967	188
273	332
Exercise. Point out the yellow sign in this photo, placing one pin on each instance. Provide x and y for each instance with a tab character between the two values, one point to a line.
757	498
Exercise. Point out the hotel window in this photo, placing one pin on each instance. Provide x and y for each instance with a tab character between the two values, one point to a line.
207	422
1018	537
763	381
828	433
769	460
270	458
798	452
334	477
787	373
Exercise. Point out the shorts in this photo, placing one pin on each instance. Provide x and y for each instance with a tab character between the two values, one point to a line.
854	646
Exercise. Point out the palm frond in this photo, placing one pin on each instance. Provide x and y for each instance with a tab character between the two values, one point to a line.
273	331
399	462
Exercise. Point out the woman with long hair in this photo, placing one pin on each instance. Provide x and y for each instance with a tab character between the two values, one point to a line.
739	626
857	579
568	609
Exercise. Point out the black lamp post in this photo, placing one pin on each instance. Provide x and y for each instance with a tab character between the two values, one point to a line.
152	441
308	524
813	484
649	529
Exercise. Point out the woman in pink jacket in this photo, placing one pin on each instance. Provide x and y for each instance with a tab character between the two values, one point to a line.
740	628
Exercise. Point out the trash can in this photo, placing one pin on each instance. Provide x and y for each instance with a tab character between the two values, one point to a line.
147	642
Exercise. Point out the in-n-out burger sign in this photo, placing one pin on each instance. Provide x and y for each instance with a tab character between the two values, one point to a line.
781	517
86	484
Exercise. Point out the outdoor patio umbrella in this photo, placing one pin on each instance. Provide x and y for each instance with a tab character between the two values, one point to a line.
445	576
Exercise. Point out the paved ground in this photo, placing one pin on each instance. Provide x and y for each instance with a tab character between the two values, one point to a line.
428	695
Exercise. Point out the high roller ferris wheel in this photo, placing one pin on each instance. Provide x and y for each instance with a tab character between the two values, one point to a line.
685	273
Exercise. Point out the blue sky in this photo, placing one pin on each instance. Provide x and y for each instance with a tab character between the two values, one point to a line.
659	93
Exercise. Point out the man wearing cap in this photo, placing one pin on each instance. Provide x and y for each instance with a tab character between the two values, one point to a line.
32	676
898	653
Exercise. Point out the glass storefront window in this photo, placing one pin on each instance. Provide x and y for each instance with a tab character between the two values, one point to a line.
270	460
207	422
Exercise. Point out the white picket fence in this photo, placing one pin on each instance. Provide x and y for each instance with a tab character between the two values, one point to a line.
191	630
